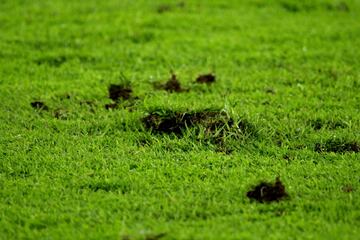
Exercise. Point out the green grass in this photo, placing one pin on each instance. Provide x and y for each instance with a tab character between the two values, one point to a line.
290	68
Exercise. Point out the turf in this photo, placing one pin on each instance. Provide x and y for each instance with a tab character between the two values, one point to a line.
71	168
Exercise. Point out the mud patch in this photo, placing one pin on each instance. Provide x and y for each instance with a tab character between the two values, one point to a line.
119	92
39	105
213	128
206	78
167	121
172	85
268	192
337	146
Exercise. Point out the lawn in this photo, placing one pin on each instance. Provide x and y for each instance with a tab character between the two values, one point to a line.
107	131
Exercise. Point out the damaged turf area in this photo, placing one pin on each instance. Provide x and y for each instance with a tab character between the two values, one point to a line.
165	119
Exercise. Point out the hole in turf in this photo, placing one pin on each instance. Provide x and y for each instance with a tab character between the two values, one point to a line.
266	192
206	78
172	85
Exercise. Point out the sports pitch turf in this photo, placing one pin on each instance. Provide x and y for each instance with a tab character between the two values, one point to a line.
179	159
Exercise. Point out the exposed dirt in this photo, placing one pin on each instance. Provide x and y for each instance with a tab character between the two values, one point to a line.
167	121
268	192
119	92
337	146
39	105
172	85
211	127
318	124
206	78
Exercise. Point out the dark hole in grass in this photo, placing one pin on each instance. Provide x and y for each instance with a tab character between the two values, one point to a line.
337	146
117	92
206	78
169	121
39	105
268	192
172	85
212	127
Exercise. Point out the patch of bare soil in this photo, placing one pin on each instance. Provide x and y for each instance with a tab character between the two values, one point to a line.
172	85
266	192
39	105
206	78
167	121
119	92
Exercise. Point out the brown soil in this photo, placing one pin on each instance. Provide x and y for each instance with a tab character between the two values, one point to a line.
118	92
172	85
337	146
176	122
268	192
39	105
206	78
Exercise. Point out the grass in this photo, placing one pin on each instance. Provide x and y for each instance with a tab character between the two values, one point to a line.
80	171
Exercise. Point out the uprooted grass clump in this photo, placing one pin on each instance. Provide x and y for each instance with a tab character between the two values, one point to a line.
338	146
172	85
213	126
121	96
119	92
266	192
206	78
